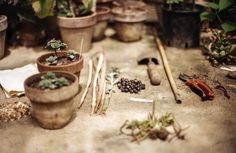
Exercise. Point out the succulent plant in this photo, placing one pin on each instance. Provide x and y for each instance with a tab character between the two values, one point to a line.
71	54
51	81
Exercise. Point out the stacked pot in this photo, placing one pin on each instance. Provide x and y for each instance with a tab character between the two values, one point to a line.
129	17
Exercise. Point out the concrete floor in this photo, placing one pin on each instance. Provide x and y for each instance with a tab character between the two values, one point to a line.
212	123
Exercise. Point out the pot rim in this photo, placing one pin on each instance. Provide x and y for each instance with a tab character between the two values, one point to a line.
198	9
3	22
77	22
62	66
103	14
38	75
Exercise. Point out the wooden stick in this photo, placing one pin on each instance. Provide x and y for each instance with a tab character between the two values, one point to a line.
94	99
81	47
168	71
88	83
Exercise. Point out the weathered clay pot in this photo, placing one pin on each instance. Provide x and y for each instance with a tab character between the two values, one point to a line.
103	15
53	109
129	19
3	27
74	67
74	29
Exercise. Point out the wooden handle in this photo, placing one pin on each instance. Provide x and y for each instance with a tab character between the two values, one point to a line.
153	74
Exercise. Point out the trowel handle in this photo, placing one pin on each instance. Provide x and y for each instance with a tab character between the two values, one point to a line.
153	74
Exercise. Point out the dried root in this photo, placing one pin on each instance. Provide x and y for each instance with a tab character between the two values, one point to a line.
13	111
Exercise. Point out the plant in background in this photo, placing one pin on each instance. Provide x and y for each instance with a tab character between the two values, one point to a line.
221	50
171	2
51	81
67	8
223	12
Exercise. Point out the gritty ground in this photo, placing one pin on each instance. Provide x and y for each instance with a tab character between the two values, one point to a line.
212	124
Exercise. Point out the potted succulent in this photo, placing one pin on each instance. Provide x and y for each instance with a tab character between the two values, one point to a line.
75	19
103	16
3	27
181	23
60	60
51	95
129	17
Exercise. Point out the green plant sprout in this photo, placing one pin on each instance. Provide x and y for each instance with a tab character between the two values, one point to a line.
171	2
51	81
71	54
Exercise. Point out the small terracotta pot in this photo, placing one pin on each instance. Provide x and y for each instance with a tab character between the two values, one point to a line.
74	29
53	109
129	19
103	15
3	27
74	67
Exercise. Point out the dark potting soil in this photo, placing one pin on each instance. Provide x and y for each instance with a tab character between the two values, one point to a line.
63	60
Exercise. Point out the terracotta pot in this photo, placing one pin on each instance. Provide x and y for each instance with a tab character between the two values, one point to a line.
103	16
53	109
129	19
74	29
74	67
3	27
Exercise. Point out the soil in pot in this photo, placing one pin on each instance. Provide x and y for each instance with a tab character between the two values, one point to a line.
129	17
103	16
181	25
3	27
63	63
52	108
74	29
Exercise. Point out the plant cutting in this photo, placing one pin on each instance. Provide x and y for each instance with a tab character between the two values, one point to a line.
181	23
52	97
3	27
221	14
75	19
60	59
129	17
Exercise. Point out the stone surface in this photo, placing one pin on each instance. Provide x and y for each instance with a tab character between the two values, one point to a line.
212	124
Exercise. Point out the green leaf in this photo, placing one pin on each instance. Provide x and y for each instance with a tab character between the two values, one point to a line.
228	26
43	8
207	16
213	5
223	4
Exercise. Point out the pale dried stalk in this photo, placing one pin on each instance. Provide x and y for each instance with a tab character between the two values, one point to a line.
101	93
88	83
94	98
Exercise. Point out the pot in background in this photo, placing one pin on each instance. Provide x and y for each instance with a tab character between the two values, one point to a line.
74	67
3	27
181	26
53	109
103	16
74	29
129	19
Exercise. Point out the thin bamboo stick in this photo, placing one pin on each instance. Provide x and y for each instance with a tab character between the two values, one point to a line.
168	71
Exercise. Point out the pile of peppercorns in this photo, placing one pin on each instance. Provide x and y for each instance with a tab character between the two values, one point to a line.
131	86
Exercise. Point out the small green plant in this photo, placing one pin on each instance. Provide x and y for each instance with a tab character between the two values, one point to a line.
55	45
221	50
171	2
52	60
223	12
51	81
71	55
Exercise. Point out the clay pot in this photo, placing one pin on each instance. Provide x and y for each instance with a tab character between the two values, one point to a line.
129	19
74	29
74	67
3	27
53	109
104	3
103	16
